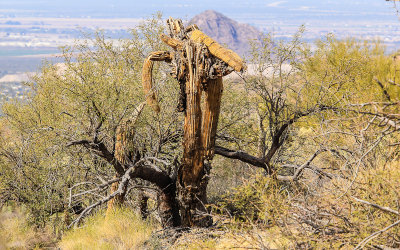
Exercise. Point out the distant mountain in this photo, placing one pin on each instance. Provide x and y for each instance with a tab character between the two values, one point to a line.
226	31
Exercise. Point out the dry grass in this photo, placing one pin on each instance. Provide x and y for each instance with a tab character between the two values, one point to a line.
123	229
334	219
279	224
16	233
271	238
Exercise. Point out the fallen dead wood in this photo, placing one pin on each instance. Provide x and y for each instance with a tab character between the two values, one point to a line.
385	209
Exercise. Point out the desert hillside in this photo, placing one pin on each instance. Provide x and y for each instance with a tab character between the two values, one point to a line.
226	30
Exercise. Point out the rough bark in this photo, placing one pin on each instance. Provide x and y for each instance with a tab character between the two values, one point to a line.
167	204
118	200
212	96
120	154
199	139
192	168
147	81
168	207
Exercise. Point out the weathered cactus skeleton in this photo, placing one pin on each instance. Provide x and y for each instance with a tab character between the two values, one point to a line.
198	63
123	150
191	47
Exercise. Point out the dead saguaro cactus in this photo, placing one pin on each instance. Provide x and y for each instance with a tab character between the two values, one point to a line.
124	149
198	63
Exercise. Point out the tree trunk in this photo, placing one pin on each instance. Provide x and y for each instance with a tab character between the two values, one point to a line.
168	208
143	207
199	140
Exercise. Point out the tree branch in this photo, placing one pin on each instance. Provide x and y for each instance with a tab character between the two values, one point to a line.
387	96
277	141
386	209
315	169
390	122
298	171
97	188
259	162
376	234
153	174
101	150
242	156
141	169
150	172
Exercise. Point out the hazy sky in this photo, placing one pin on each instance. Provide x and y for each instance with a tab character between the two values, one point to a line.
143	8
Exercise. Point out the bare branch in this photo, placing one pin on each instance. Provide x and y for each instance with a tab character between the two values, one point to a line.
277	140
98	188
313	169
81	142
101	150
376	234
386	209
387	96
141	169
391	123
298	171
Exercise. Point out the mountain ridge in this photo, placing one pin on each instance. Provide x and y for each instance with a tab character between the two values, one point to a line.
227	31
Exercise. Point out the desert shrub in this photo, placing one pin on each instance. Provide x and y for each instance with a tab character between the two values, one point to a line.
381	186
335	217
38	163
225	178
262	199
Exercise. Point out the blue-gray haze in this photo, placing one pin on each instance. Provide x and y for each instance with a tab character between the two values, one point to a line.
301	10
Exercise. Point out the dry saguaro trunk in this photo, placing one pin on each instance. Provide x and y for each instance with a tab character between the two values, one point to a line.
123	152
198	63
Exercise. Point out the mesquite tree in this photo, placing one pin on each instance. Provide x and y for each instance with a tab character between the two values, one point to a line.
198	63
